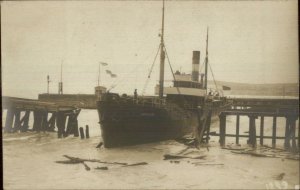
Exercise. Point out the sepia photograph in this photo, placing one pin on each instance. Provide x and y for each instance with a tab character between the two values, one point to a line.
150	94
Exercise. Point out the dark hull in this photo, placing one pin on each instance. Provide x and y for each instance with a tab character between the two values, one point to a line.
130	123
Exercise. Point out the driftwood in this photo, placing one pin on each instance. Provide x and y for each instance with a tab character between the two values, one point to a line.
209	164
251	153
102	168
69	162
86	166
136	164
79	160
75	160
230	148
169	156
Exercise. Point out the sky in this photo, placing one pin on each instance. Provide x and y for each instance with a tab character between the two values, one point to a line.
249	42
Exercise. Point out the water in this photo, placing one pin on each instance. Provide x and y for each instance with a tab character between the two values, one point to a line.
29	163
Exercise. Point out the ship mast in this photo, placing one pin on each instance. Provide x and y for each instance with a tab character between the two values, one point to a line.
206	61
162	55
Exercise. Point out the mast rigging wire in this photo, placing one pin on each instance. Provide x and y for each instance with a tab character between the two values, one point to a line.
171	68
214	79
150	72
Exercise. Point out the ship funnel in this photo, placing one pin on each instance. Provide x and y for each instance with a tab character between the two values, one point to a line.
195	66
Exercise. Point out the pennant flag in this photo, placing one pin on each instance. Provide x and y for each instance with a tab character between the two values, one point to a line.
108	72
226	88
103	64
113	75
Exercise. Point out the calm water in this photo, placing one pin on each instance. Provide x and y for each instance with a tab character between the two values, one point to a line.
29	163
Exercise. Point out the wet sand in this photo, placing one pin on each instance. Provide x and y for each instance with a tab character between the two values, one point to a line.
29	163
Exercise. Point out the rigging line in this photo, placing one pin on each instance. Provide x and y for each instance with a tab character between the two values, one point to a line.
202	66
150	72
116	82
214	79
171	69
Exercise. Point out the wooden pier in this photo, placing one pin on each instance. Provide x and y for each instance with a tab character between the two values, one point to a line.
62	117
260	109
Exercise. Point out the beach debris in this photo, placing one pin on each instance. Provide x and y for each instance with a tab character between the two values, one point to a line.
280	176
69	162
74	159
102	168
175	161
99	145
265	151
209	164
170	156
87	168
136	164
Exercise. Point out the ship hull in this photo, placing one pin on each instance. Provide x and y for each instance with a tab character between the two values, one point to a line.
129	123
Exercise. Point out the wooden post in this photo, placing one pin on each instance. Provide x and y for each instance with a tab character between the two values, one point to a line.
60	122
252	131
51	123
69	125
9	120
208	126
25	121
81	132
87	132
292	132
76	134
261	140
222	129
237	129
287	144
298	135
37	123
44	118
274	132
17	124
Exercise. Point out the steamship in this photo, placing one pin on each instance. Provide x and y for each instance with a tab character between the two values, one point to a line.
128	120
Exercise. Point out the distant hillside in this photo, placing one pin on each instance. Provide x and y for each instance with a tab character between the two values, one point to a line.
286	89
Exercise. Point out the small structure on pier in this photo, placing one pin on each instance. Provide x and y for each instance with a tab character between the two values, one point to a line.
62	117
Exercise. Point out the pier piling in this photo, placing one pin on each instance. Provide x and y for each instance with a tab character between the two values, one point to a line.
237	128
25	121
287	144
87	133
262	122
222	129
9	120
252	131
81	132
17	123
274	131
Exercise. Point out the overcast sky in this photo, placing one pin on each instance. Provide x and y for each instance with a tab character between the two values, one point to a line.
249	41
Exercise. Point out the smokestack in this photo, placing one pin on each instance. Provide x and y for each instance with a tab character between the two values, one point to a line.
195	66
